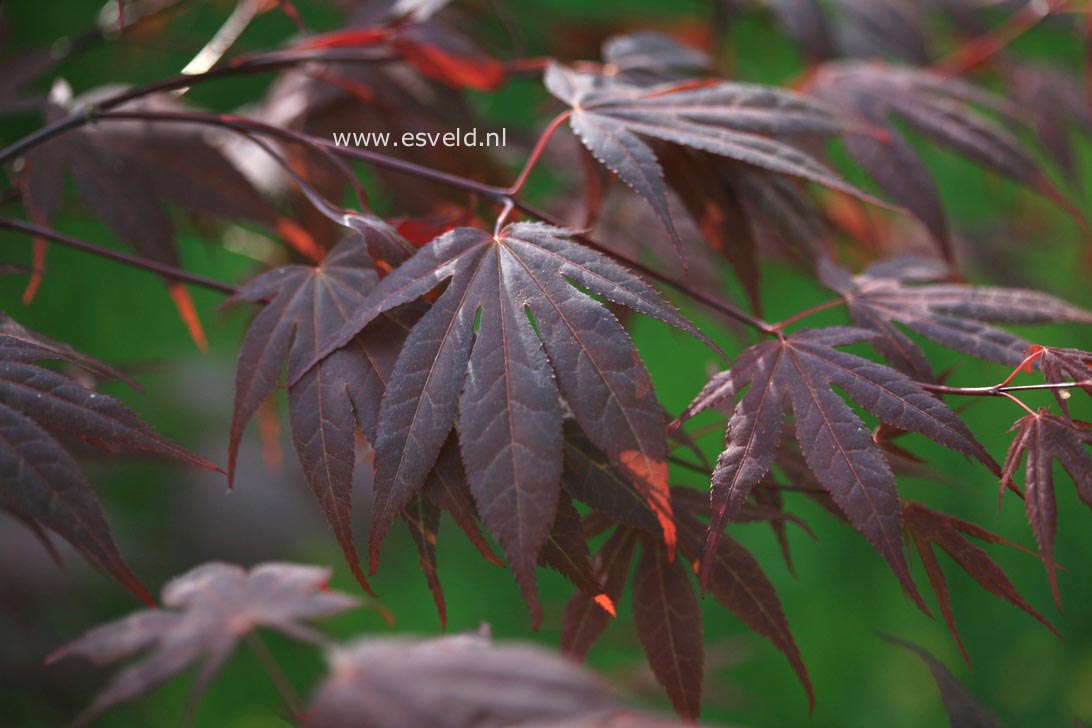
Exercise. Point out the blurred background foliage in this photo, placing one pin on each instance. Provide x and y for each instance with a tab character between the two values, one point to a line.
169	519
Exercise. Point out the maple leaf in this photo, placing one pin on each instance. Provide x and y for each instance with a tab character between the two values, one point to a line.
963	709
928	528
566	552
954	315
303	307
1043	438
124	171
502	383
837	447
455	682
742	122
206	612
737	581
42	409
590	477
648	56
585	619
665	603
741	211
1056	102
940	108
667	615
1060	365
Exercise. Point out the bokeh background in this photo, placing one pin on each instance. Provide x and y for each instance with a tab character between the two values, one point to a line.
168	520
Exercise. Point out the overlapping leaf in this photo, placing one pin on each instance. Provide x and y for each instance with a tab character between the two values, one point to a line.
125	170
742	122
942	109
836	445
952	314
1042	438
41	411
665	604
928	528
304	307
206	612
539	338
1060	365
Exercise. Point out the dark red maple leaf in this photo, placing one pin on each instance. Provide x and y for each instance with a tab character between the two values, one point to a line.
665	602
503	385
928	528
837	447
125	170
742	122
1043	438
207	611
327	404
940	108
955	315
1060	365
40	410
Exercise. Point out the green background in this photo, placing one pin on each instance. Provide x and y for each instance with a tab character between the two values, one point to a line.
168	520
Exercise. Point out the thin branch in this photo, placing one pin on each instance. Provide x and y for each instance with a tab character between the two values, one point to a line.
264	63
163	269
1004	389
491	192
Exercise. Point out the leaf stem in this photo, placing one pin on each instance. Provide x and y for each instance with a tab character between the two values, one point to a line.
827	305
163	269
276	675
536	153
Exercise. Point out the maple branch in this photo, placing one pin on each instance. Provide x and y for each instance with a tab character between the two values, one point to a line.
276	674
264	63
496	194
163	269
1000	390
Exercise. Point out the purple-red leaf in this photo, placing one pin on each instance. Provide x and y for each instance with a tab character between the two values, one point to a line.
1044	438
928	528
837	447
668	619
585	618
499	384
952	314
737	581
40	411
304	306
